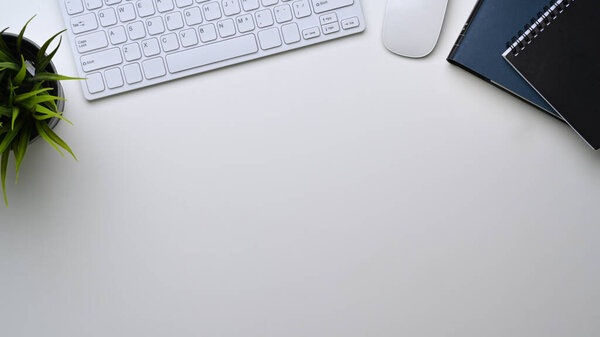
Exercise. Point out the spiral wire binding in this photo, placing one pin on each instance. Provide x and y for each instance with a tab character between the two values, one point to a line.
531	31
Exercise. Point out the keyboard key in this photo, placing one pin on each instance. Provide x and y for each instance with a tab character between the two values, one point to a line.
283	13
132	52
269	2
133	73
136	30
322	6
291	33
169	42
269	38
117	35
113	77
126	12
193	16
93	4
350	23
155	26
103	59
184	3
264	18
188	37
212	53
84	23
212	11
145	8
311	33
231	7
250	5
328	18
164	5
331	28
301	9
154	68
74	6
95	83
207	33
108	17
112	2
245	23
226	28
150	47
91	41
174	21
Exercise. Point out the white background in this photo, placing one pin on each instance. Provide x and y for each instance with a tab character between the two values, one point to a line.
337	190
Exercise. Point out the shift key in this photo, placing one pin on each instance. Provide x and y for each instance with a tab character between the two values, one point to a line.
103	59
322	6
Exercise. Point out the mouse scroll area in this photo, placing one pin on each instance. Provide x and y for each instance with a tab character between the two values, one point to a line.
411	28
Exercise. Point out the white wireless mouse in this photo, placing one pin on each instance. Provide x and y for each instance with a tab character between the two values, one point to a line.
411	28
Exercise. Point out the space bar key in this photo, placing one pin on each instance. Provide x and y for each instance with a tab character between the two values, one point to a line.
212	53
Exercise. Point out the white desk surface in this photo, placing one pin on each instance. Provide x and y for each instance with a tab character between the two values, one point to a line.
337	190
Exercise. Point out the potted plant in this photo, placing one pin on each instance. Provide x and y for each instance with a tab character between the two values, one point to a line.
31	98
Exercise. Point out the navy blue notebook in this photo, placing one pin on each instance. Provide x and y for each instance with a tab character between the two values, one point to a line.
483	39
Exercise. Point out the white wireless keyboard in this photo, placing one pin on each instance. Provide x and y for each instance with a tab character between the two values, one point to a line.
122	45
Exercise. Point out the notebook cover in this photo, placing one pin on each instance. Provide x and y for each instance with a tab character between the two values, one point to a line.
483	39
559	56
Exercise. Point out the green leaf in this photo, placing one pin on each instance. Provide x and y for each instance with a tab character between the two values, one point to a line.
42	52
51	105
15	114
42	99
49	114
4	57
20	37
44	135
5	52
56	139
5	144
11	92
5	111
22	72
4	165
10	65
42	117
23	97
53	77
3	46
37	85
21	148
45	60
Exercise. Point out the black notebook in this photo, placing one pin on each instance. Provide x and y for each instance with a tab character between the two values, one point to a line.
559	55
480	44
